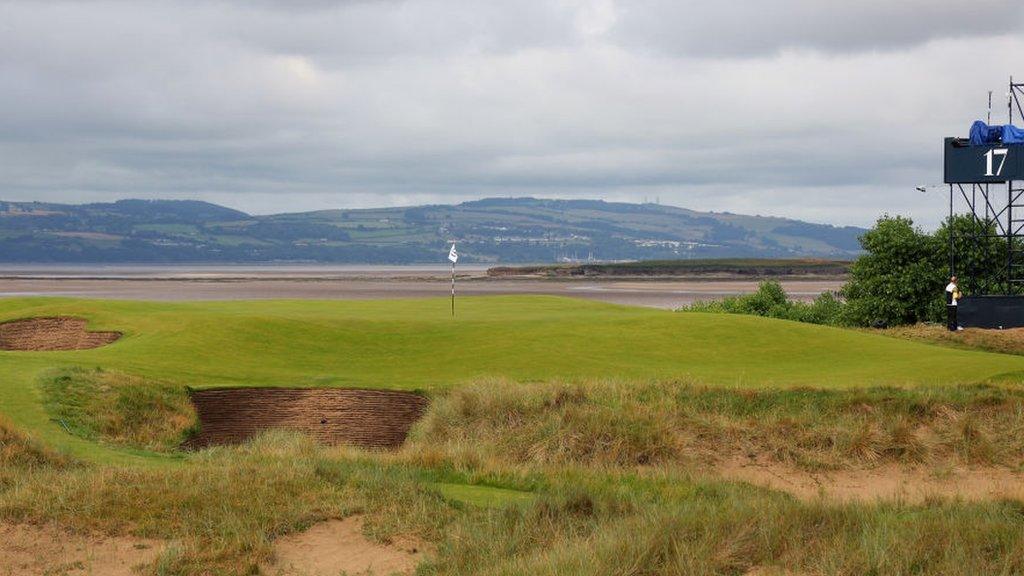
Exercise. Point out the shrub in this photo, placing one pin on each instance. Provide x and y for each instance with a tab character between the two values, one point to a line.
771	301
901	277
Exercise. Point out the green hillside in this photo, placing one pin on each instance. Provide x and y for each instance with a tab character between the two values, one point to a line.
493	230
416	345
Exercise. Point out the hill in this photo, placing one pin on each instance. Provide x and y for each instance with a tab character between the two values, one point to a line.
488	231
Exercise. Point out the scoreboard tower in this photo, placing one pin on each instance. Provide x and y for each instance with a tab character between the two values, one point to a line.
987	182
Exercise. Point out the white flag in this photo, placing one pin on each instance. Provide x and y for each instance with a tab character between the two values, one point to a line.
453	255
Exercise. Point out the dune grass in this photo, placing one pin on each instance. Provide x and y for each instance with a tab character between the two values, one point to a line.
683	426
17	450
221	509
1010	341
119	409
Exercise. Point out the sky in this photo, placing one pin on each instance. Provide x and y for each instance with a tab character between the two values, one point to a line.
828	111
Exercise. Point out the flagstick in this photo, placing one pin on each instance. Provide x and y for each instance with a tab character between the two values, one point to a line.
453	257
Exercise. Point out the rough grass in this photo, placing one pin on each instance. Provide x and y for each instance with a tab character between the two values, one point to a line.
629	425
222	509
119	408
683	528
18	451
1009	341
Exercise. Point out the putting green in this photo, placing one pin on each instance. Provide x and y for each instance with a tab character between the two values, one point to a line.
417	345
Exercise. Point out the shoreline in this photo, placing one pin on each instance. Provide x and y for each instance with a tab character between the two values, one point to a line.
664	293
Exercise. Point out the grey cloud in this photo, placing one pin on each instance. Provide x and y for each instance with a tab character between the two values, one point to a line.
762	27
266	107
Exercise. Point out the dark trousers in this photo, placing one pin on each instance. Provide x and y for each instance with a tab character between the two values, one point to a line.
951	317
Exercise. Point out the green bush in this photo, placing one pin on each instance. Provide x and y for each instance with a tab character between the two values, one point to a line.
902	276
771	301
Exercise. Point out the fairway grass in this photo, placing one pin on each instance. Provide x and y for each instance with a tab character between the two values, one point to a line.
416	345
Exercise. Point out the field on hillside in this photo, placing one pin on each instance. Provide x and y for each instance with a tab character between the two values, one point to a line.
548	436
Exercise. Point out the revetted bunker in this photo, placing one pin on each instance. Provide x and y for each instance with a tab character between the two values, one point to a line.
367	418
54	333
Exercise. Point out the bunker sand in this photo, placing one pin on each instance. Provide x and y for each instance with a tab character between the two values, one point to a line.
366	418
47	334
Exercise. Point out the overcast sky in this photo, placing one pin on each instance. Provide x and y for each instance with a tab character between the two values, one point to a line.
825	110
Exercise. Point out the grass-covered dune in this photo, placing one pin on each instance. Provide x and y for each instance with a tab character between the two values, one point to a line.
417	345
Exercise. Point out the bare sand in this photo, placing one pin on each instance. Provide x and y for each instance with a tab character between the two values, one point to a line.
339	547
912	485
175	283
29	550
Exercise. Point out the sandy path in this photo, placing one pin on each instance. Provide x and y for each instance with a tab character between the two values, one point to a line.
339	547
28	550
911	485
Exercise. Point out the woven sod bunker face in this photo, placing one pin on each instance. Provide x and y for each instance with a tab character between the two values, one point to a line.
53	333
367	418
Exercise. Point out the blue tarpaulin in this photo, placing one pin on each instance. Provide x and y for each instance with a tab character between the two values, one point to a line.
982	134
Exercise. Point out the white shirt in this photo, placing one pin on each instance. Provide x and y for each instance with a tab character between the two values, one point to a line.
951	288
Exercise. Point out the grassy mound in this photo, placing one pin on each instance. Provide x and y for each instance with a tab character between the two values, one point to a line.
19	451
630	425
119	408
1009	341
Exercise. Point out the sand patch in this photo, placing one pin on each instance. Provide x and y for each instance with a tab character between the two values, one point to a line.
339	547
49	550
912	485
367	418
46	334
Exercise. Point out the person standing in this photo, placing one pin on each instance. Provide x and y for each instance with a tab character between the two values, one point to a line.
952	295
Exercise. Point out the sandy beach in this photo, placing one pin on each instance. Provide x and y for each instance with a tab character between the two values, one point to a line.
310	282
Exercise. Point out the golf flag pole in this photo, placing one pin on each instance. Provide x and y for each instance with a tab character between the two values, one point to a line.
453	256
